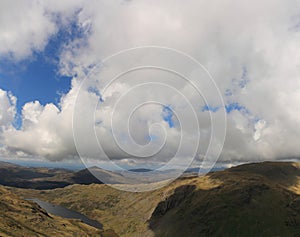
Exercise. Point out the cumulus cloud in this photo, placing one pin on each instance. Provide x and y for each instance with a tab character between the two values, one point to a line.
7	109
250	49
46	131
27	26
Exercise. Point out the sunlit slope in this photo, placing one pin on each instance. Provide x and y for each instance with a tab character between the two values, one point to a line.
24	218
249	200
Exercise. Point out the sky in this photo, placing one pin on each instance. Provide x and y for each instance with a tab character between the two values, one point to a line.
149	83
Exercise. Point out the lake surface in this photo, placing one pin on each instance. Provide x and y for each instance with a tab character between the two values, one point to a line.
65	213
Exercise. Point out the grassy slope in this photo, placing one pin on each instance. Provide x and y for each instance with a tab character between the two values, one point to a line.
249	200
24	218
125	212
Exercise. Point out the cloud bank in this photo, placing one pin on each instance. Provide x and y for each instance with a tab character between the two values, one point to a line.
250	49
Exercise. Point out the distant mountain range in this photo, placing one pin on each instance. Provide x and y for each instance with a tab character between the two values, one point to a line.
42	178
50	178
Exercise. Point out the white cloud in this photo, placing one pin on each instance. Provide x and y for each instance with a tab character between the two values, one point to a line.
27	26
7	109
24	28
46	131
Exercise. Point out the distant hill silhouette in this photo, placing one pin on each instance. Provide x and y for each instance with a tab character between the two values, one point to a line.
42	178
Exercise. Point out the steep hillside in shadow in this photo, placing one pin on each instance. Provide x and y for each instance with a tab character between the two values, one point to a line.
252	200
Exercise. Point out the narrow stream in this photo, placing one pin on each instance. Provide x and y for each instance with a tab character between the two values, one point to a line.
65	213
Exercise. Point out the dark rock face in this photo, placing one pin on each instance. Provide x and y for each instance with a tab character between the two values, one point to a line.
173	201
244	196
295	204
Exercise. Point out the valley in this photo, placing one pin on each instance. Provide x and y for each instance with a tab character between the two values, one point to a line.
260	199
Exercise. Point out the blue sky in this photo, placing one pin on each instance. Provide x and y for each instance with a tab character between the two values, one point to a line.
34	79
168	116
38	77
